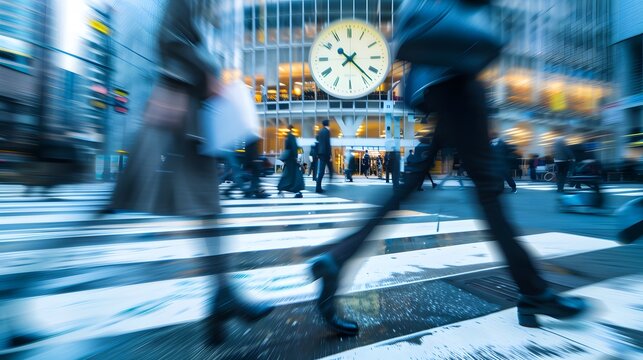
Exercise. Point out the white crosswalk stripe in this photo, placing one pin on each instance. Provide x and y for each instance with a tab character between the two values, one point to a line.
66	243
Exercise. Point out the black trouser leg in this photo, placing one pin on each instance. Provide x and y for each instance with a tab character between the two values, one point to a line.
510	181
474	146
321	168
561	174
461	105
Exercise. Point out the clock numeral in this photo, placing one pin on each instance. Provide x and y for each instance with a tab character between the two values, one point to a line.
372	44
365	80
328	46
376	57
323	59
326	72
336	81
373	69
349	33
361	36
336	36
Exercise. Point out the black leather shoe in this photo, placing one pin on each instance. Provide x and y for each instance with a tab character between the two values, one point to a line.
228	306
299	195
320	191
550	304
324	267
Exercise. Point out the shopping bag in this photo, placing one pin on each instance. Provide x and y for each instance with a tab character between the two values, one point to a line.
227	120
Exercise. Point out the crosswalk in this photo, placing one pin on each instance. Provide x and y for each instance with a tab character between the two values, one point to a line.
69	276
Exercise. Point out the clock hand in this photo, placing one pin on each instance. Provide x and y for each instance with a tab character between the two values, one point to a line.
349	59
360	69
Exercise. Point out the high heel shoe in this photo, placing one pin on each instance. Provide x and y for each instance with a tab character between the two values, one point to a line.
550	304
227	306
325	267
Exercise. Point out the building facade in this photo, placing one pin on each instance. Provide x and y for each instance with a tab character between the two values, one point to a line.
554	71
625	113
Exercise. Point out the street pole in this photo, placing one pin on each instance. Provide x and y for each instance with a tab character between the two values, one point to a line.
107	171
43	73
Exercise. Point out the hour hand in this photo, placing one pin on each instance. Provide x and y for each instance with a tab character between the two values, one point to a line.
348	59
340	51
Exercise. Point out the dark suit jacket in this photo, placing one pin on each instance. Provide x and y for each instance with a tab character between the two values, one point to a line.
323	146
182	57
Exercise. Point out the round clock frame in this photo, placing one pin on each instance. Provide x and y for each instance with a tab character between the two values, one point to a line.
337	49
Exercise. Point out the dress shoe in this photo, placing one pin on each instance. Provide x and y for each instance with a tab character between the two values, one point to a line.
299	195
320	191
550	304
326	268
228	306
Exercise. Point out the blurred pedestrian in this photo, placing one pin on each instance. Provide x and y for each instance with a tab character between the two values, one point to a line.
533	165
366	164
291	179
254	164
563	159
313	161
324	152
166	174
380	164
459	99
501	153
348	164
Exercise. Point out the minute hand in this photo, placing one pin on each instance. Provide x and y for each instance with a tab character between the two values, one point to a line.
360	69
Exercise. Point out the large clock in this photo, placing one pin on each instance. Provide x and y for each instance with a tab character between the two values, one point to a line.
349	59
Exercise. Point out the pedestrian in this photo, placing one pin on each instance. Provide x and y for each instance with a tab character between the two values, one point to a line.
254	164
166	174
291	179
415	158
323	155
387	165
501	153
313	161
366	164
380	163
563	159
348	164
533	165
459	99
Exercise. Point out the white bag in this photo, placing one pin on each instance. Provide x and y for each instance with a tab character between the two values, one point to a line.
228	119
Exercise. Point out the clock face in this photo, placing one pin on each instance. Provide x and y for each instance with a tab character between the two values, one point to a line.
349	59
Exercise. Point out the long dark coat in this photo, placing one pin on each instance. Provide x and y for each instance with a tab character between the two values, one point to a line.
292	179
165	174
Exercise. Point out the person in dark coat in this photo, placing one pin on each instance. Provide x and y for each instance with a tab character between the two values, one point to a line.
563	158
324	152
313	161
533	165
366	164
166	174
412	159
460	102
501	153
292	179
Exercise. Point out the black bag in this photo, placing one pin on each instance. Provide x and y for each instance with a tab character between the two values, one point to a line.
455	34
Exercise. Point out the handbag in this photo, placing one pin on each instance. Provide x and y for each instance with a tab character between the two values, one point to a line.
455	34
167	107
227	119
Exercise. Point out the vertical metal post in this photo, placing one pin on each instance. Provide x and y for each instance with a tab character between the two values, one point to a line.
43	71
107	138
